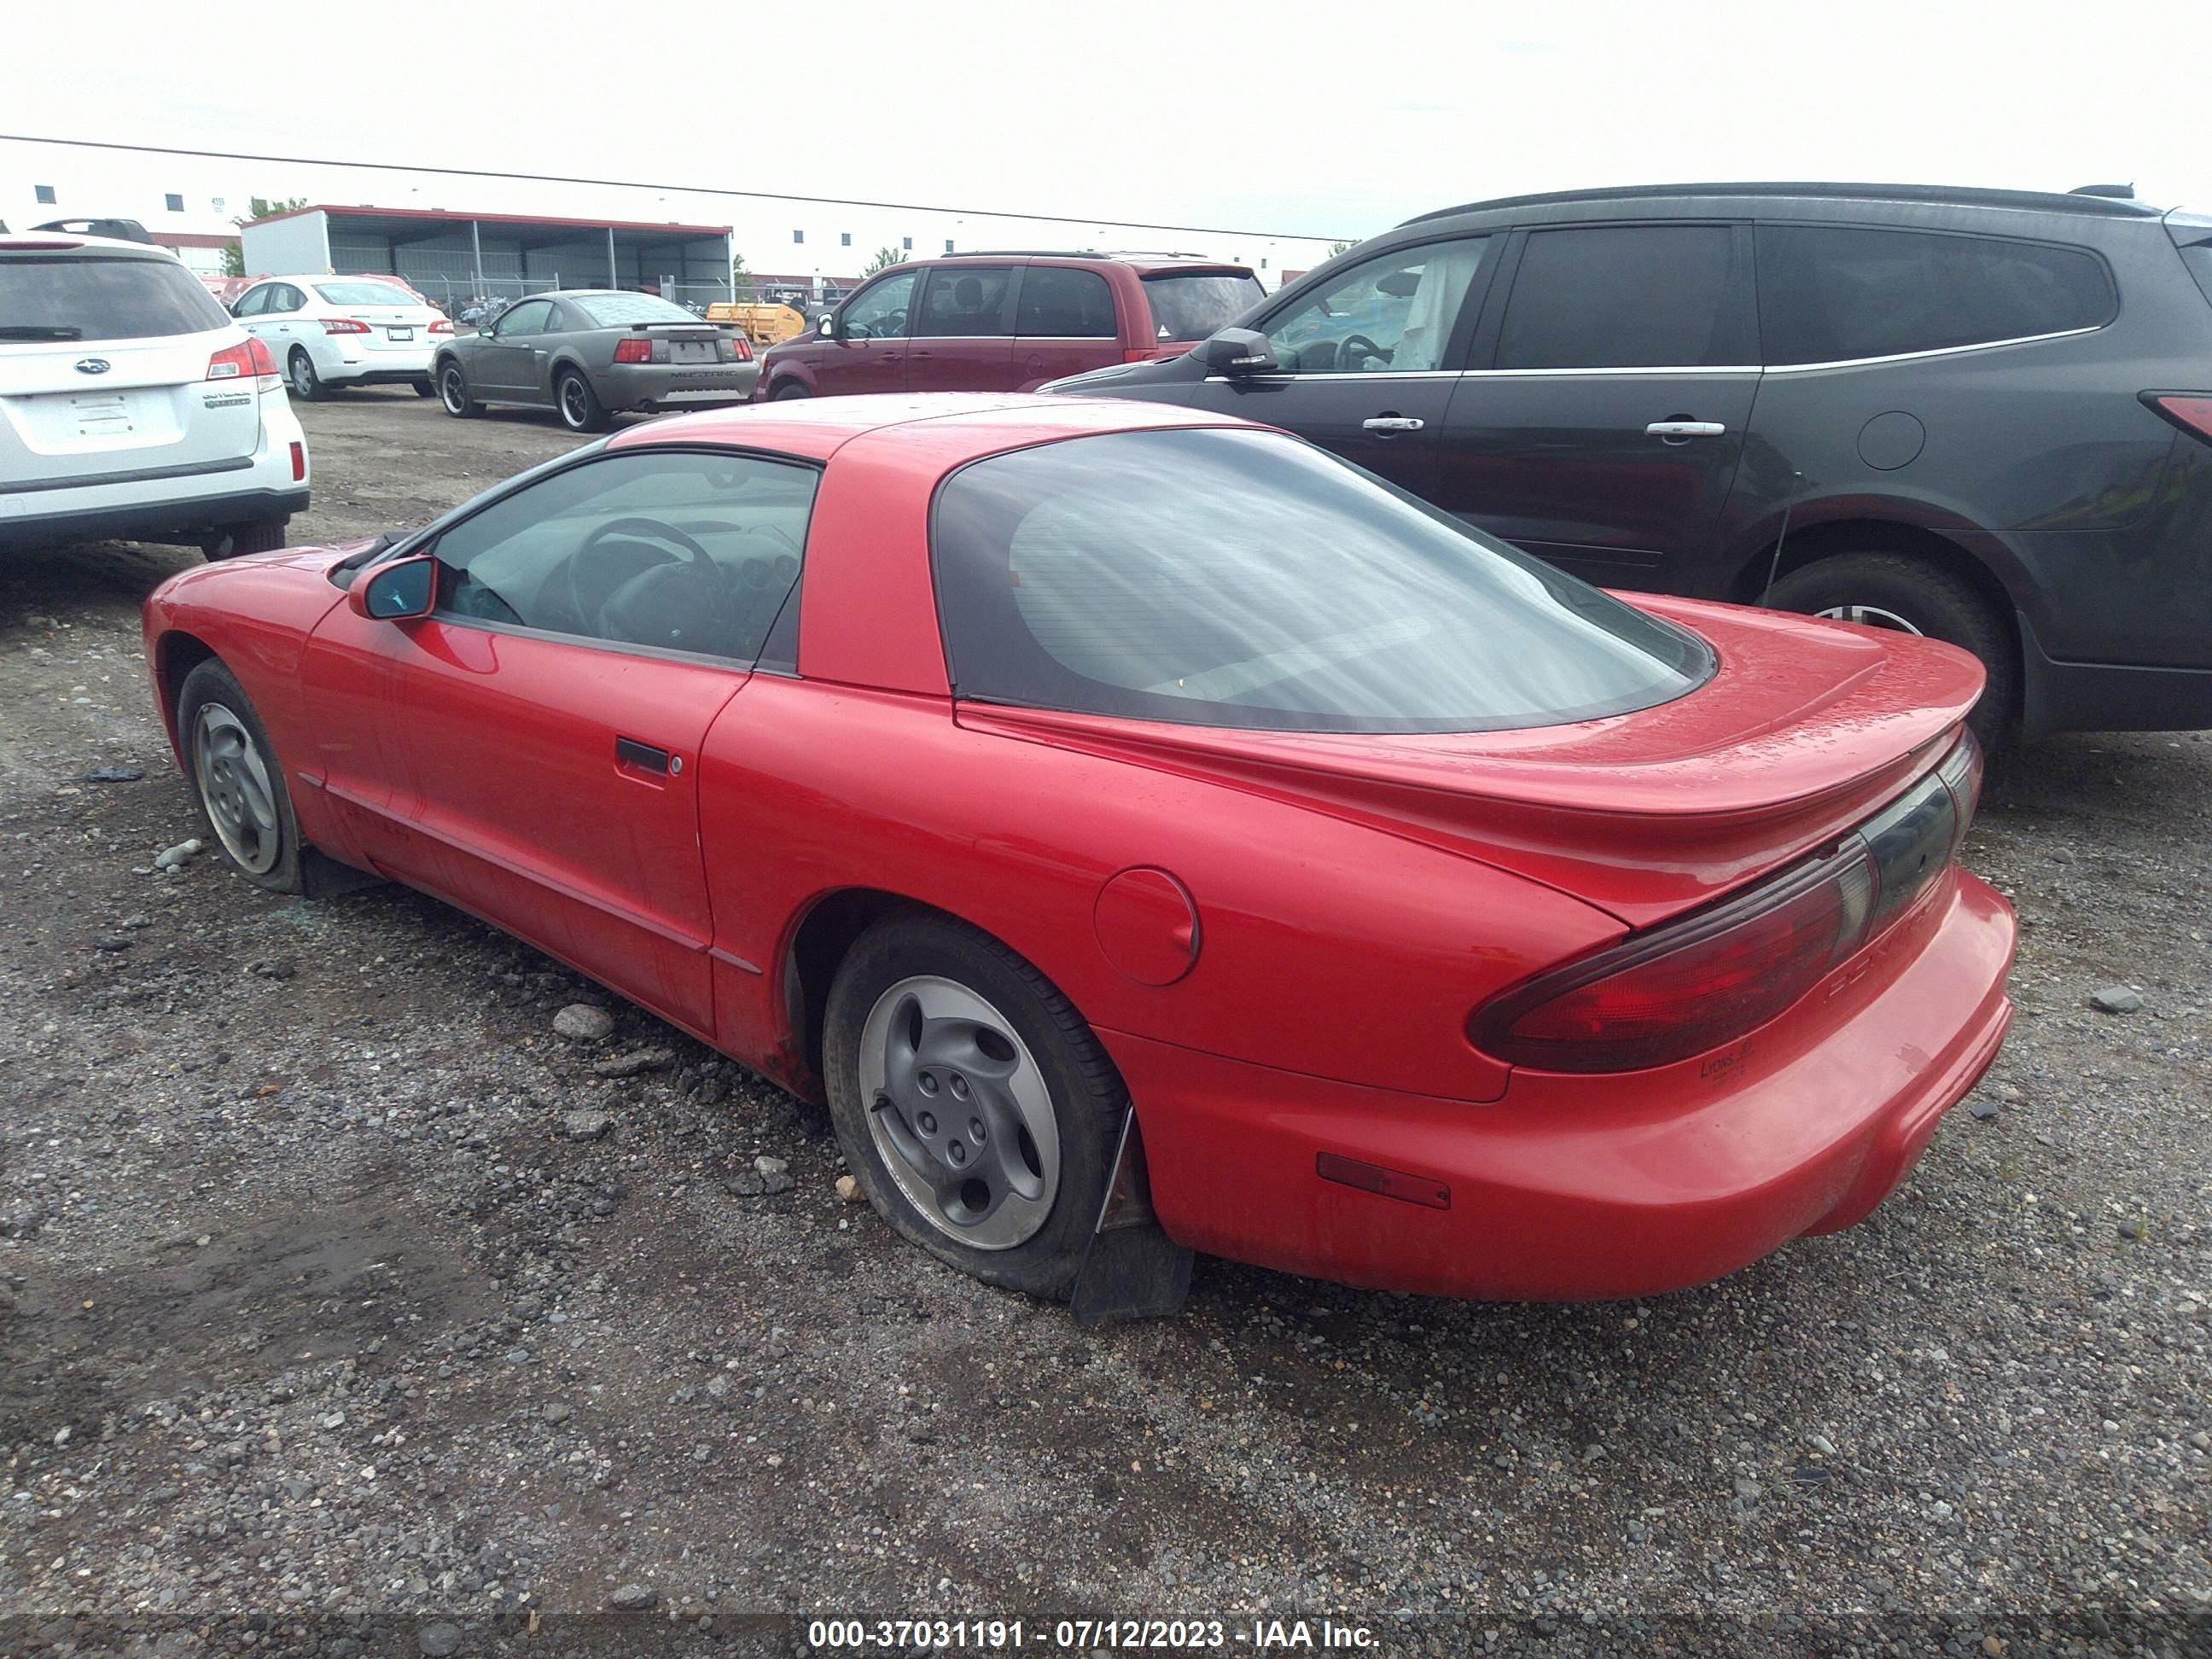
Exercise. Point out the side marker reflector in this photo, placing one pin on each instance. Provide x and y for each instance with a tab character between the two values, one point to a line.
1374	1178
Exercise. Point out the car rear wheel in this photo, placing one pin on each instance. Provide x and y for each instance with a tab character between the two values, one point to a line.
424	389
1910	595
579	406
788	389
306	384
262	536
454	393
234	773
975	1107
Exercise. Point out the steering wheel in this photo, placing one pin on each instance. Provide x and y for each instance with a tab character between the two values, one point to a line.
594	571
1365	347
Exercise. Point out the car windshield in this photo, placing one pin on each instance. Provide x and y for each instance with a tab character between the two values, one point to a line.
1231	578
1190	307
366	293
621	310
103	298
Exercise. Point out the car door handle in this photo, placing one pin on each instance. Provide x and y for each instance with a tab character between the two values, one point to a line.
1685	429
628	751
1391	423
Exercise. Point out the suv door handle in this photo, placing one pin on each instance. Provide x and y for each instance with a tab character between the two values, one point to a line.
1391	423
1685	429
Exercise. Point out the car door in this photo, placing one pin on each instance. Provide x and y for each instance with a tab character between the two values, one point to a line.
962	335
1366	367
271	312
507	363
529	750
1064	324
866	349
1604	430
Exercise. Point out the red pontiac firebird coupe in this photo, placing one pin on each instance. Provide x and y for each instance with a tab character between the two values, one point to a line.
1138	825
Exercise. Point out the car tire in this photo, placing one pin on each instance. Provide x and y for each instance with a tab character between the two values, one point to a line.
262	536
1899	591
578	406
423	388
454	393
788	390
1045	1110
237	780
306	386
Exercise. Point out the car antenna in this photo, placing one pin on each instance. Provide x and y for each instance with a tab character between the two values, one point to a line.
1774	565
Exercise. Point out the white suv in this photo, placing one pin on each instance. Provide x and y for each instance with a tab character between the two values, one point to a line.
131	406
330	331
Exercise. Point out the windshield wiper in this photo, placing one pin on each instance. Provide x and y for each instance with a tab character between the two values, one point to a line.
40	332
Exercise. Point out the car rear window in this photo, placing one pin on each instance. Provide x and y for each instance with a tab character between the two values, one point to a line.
621	310
1836	294
103	298
365	293
1244	579
1190	307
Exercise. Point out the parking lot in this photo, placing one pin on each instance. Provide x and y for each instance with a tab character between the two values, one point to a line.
338	1284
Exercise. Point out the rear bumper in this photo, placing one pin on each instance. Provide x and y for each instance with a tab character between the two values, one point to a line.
667	385
1589	1187
188	522
381	369
2093	696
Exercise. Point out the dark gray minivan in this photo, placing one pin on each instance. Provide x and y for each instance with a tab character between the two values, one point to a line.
1984	416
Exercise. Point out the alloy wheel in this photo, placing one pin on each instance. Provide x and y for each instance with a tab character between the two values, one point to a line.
454	391
234	787
574	408
959	1113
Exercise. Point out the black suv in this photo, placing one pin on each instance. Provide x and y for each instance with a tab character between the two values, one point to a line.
1984	416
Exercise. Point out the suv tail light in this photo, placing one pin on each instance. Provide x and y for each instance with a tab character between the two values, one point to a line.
1697	983
250	359
2190	411
634	349
342	326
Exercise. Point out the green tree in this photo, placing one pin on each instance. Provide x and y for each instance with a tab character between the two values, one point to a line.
884	259
741	280
258	207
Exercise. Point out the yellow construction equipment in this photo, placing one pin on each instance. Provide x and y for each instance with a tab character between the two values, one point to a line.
764	323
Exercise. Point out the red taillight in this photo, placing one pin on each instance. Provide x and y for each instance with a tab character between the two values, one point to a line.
1689	986
742	347
636	349
2190	411
443	325
298	460
247	361
344	326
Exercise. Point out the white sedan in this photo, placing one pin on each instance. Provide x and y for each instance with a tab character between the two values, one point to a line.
326	333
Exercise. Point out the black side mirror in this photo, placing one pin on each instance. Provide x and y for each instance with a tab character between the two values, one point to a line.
396	591
1237	351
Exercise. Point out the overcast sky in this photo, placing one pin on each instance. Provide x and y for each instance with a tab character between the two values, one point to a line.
1330	120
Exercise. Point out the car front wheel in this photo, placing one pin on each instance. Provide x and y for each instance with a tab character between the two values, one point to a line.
579	406
454	393
234	773
973	1103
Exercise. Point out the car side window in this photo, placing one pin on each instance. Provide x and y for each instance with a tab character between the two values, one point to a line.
254	301
528	318
1057	302
556	320
881	312
1394	313
963	301
1628	296
679	549
280	299
1836	292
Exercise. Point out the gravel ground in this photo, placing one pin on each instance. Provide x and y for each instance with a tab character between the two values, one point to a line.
339	1288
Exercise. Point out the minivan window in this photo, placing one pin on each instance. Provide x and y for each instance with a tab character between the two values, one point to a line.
1627	297
1392	313
1231	578
1190	307
1836	292
1057	302
104	299
964	300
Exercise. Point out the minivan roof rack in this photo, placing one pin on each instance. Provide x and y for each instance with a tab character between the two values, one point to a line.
1960	195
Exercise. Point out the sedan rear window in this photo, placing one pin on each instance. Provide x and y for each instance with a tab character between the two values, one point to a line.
1190	307
621	310
366	293
75	298
1245	579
